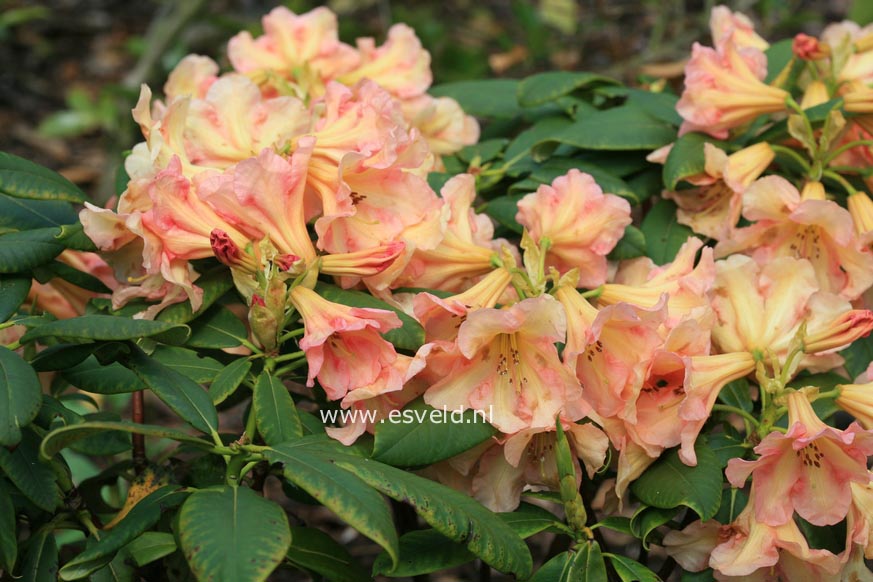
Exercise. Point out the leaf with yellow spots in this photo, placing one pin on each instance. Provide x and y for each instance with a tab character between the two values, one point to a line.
149	481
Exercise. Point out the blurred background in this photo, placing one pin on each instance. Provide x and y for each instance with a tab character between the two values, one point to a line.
70	70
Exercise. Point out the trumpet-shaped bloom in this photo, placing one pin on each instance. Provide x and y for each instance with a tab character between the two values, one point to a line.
809	469
442	122
727	26
714	207
761	309
724	89
857	400
817	230
506	359
581	223
858	66
691	547
344	348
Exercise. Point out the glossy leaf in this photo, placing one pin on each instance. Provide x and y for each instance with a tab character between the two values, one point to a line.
669	483
214	284
408	337
200	369
314	551
274	411
232	533
217	328
685	159
22	251
144	515
453	514
8	530
33	477
24	179
620	128
40	561
647	519
664	235
630	570
89	328
63	437
422	435
340	491
185	397
91	376
228	380
20	395
551	570
13	292
858	356
549	86
631	245
490	99
585	565
151	546
20	214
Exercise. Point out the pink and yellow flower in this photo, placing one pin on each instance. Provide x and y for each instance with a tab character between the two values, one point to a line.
580	222
505	362
808	470
817	230
727	26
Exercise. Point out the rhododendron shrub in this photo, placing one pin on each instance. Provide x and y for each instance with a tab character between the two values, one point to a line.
627	309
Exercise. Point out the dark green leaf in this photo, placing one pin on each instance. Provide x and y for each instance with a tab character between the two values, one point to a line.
70	275
539	131
8	530
338	490
20	396
13	292
482	152
685	159
151	546
585	565
19	214
141	517
659	105
664	235
631	570
61	356
217	328
617	523
410	336
60	438
24	179
73	236
725	447
620	128
736	394
858	356
423	552
779	54
184	396
228	380
22	251
453	514
551	570
91	376
544	87
214	284
105	443
631	245
275	411
314	551
669	483
89	328
41	559
200	369
232	533
491	98
529	519
504	209
647	519
34	478
422	435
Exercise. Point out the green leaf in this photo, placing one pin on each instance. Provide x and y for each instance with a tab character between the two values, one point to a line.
617	523
19	214
13	292
453	514
422	435
529	519
20	395
24	179
217	328
726	447
22	251
62	356
661	105
779	54
106	443
33	478
685	159
410	336
151	546
620	128
144	515
490	98
41	558
631	570
233	533
539	131
338	490
504	209
610	183
669	483
664	235
631	245
214	284
316	552
545	87
275	411
8	531
647	519
858	356
90	328
551	570
73	236
91	376
200	369
61	438
63	271
228	380
736	394
185	397
585	565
